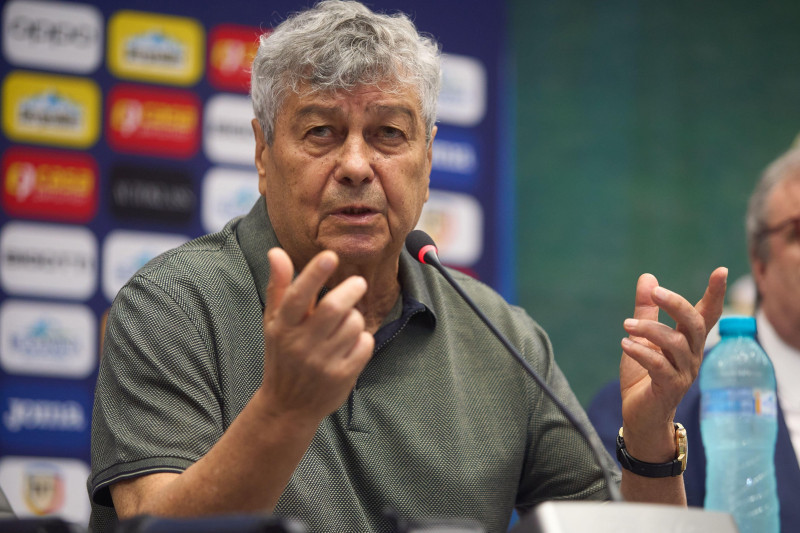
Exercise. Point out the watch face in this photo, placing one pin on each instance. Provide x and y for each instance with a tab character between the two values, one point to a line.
682	445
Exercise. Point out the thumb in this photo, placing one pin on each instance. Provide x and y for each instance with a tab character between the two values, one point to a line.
280	277
631	372
644	307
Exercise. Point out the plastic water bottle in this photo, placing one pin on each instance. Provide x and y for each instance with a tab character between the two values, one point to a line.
739	428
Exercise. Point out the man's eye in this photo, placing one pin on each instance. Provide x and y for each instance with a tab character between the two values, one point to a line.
320	131
388	132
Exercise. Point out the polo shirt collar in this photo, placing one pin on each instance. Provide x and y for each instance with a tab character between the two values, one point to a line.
415	282
256	237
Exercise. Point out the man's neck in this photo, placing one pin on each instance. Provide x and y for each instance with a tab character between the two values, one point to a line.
375	309
383	289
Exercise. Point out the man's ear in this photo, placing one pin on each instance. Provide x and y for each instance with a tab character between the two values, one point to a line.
261	152
429	155
758	268
430	145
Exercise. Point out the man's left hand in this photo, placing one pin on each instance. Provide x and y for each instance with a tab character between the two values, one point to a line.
659	363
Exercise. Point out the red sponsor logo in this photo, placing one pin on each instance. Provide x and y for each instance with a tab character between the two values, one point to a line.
49	184
145	120
231	49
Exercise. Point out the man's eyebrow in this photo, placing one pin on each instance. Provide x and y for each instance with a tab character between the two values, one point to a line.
335	111
316	109
389	109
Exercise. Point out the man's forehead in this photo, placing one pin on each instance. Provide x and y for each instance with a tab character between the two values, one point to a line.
376	97
784	199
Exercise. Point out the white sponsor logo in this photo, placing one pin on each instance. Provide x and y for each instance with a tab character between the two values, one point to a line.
48	260
455	222
462	100
227	194
456	157
47	339
125	252
227	134
43	415
46	486
53	35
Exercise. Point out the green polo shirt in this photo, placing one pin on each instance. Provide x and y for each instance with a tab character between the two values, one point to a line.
442	423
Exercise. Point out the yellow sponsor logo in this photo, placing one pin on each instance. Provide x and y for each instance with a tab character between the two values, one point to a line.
156	48
47	109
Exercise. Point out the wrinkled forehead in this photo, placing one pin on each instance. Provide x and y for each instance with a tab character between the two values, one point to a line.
387	80
390	92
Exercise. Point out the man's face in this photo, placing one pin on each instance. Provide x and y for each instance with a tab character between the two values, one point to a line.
347	171
779	278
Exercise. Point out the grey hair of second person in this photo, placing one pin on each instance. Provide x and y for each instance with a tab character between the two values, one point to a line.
338	45
786	167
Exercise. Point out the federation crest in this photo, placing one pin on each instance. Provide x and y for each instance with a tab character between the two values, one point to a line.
43	489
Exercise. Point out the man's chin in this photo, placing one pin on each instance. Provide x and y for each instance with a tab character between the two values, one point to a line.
360	250
360	256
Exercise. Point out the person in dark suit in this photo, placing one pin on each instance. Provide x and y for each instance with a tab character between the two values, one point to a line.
773	238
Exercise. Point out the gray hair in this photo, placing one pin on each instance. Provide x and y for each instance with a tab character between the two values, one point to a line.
785	168
338	45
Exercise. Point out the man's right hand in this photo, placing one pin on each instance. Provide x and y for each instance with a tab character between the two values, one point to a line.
314	352
314	349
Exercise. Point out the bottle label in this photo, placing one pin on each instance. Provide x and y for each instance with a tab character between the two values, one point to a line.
743	401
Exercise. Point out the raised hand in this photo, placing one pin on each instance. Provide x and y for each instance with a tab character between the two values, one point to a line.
659	363
313	350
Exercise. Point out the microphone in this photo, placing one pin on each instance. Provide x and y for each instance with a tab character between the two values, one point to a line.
421	246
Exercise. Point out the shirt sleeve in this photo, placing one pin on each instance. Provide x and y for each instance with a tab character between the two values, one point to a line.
156	405
559	464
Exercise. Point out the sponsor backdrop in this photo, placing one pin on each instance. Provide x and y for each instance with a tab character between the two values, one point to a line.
125	132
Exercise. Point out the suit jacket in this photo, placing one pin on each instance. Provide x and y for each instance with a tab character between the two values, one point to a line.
605	412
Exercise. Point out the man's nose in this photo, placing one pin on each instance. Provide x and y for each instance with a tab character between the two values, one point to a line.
355	161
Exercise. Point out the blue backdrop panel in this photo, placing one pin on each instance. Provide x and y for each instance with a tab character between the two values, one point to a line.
125	131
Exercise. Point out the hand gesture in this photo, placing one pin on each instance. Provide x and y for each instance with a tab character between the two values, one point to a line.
313	350
659	363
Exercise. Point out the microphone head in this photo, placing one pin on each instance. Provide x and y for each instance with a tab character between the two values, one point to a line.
419	244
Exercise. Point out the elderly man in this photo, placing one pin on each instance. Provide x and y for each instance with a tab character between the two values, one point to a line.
773	239
363	383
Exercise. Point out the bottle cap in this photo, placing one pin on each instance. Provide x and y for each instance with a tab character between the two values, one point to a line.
737	325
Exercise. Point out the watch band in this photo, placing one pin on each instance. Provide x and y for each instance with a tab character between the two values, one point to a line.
642	468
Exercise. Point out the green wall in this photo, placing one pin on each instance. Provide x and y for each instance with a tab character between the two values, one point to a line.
640	128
